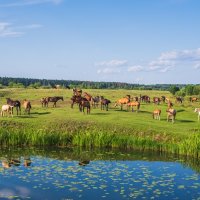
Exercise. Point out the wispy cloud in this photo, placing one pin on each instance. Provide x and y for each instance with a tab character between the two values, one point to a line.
10	30
7	30
136	68
14	3
111	67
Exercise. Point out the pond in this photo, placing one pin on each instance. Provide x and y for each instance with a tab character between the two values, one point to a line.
96	174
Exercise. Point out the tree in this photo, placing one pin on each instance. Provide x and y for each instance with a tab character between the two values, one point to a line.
173	89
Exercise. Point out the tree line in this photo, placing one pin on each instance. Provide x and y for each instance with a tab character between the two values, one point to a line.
178	89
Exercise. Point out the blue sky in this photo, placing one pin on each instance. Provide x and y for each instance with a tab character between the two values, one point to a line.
134	41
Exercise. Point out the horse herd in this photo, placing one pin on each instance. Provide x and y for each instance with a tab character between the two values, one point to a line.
85	101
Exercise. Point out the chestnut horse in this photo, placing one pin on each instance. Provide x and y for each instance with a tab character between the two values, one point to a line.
156	114
27	106
132	104
123	101
171	114
198	111
193	99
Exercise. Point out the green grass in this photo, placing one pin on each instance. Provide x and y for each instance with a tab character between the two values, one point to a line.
63	126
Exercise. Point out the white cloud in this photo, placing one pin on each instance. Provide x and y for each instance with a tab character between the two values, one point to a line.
136	68
6	30
109	71
112	63
30	2
197	66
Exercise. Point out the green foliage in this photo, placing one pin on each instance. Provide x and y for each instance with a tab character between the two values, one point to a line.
173	89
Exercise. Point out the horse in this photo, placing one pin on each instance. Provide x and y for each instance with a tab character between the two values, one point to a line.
198	111
54	100
156	114
44	101
104	104
27	106
169	103
77	92
179	99
171	114
15	103
95	101
76	99
132	104
156	100
145	99
123	101
163	99
87	96
193	99
7	110
84	104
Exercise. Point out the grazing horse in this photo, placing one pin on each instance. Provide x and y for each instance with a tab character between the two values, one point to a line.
156	100
132	104
27	106
179	99
171	114
104	104
15	103
193	99
123	101
156	114
7	110
84	104
54	100
198	111
44	101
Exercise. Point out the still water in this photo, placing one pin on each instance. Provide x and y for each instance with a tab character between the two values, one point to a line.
96	174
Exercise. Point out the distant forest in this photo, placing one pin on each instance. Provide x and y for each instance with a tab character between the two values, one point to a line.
46	83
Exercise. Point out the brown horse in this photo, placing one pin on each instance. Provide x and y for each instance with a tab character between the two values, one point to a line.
27	106
163	99
95	101
85	104
156	114
133	104
156	100
123	101
171	114
193	99
77	92
44	101
87	96
77	100
179	99
145	99
15	103
54	100
105	103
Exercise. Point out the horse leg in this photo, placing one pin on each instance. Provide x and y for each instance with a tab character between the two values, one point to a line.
106	107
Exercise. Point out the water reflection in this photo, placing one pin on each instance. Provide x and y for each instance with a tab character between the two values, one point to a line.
102	174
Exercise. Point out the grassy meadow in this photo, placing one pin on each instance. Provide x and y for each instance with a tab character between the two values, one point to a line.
63	126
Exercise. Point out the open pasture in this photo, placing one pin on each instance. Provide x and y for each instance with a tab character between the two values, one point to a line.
114	123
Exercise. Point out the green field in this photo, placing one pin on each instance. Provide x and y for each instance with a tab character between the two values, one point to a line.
64	126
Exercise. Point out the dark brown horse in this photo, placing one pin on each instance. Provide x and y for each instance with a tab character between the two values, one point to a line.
54	100
145	99
179	99
77	100
95	101
15	103
84	104
105	104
